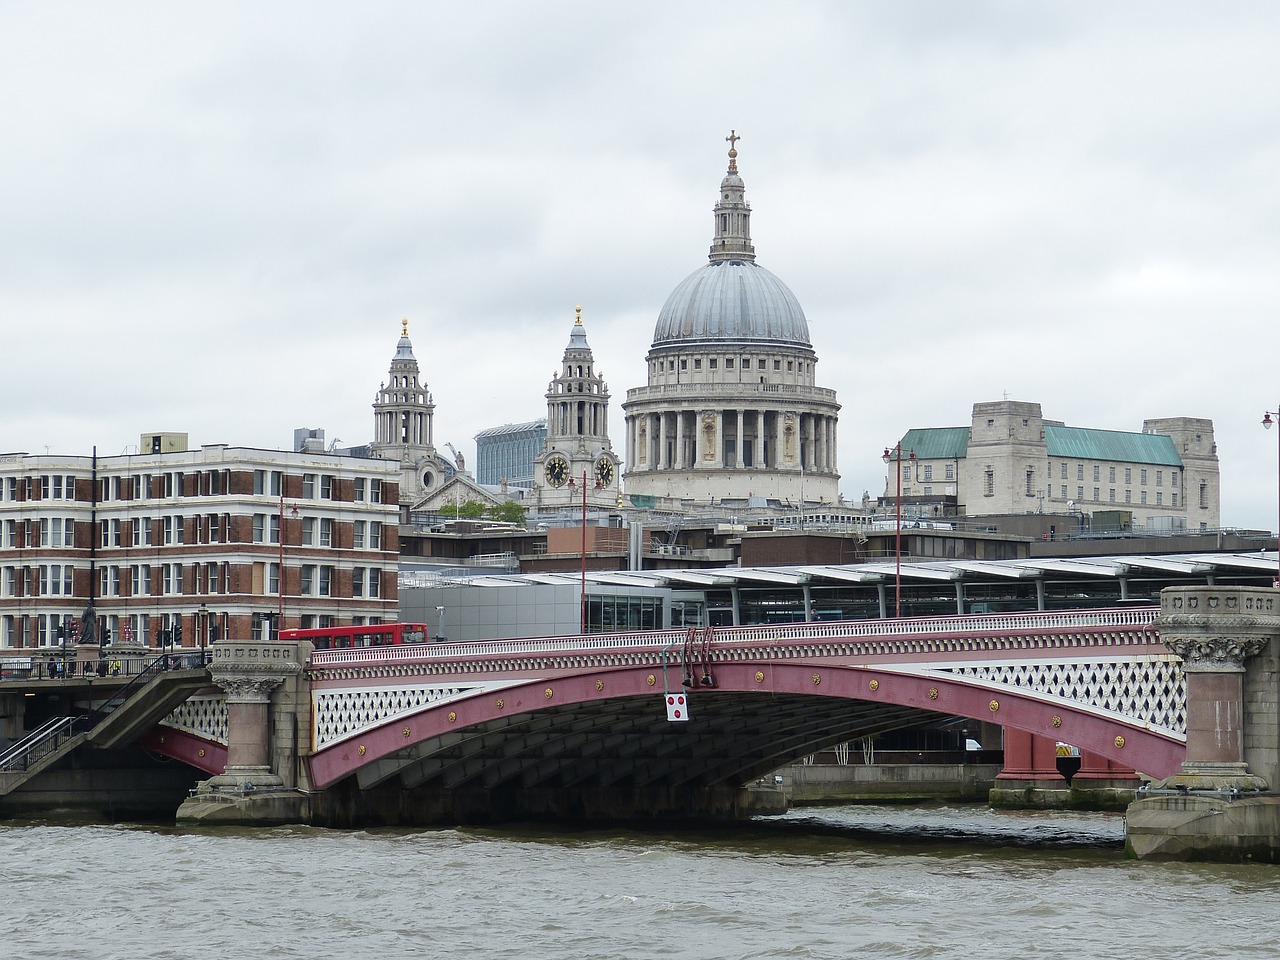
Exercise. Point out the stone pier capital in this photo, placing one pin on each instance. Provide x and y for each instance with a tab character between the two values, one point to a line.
1215	630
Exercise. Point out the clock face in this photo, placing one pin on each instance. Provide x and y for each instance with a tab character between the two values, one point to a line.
556	470
604	471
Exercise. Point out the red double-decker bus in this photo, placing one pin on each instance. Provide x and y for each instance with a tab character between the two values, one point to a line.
364	635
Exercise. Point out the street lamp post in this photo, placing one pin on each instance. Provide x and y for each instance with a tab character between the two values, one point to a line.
895	456
202	625
582	606
1267	421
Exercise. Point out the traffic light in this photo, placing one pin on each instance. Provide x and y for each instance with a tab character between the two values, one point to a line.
177	632
60	631
106	637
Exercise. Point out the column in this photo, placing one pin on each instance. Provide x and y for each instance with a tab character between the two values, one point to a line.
1215	630
249	672
681	459
738	444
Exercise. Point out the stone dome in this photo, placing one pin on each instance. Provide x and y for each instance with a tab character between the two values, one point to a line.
731	300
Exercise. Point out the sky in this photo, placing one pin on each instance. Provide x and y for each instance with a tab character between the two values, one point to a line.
214	216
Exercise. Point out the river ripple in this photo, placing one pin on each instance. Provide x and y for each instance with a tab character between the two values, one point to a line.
831	883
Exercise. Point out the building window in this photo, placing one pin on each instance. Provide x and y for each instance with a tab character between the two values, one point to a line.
906	474
928	471
375	582
326	487
259	482
375	491
357	582
1064	471
1204	495
1173	500
989	483
1112	495
1128	496
728	363
273	528
1097	494
1031	481
951	471
357	535
1159	478
1111	474
1097	473
309	486
1173	478
1064	491
1142	476
273	578
1128	474
326	533
711	364
277	483
259	527
359	489
326	581
308	531
1159	498
375	536
1142	497
308	581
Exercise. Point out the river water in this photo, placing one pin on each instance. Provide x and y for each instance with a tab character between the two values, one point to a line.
880	882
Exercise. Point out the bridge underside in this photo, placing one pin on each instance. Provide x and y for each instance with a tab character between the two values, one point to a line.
608	759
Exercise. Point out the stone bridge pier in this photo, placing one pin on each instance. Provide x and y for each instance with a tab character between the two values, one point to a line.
268	710
1221	805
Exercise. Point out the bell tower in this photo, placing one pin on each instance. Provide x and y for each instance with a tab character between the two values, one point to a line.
577	433
402	417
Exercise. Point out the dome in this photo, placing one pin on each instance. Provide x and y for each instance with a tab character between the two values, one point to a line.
731	300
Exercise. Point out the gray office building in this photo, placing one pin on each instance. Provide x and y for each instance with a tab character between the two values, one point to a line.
508	452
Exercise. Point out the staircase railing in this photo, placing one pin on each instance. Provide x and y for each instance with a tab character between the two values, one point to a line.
38	744
41	742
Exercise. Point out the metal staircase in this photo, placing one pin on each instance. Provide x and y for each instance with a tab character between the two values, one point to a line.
147	698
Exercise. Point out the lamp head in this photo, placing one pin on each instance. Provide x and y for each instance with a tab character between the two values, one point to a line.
1266	420
887	455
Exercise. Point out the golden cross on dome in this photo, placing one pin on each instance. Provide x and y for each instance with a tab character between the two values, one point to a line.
404	326
577	322
733	139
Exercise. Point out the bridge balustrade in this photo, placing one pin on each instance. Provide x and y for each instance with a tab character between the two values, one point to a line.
1029	623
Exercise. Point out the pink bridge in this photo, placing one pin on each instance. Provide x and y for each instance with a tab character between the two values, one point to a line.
590	713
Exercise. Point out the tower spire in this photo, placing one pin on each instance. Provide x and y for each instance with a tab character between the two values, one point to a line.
732	213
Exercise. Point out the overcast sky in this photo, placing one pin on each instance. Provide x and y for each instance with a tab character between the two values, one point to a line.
213	216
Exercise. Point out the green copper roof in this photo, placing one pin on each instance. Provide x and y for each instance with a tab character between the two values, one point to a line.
936	443
1079	443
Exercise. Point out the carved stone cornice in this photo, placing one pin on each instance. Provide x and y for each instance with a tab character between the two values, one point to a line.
1215	629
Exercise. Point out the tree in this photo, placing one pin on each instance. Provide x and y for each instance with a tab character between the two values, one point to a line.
509	511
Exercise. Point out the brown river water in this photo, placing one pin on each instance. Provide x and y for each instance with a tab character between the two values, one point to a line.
936	882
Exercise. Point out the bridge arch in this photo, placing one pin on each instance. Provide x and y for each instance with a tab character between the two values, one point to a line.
608	725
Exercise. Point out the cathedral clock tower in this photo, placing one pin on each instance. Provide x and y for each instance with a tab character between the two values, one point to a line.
577	434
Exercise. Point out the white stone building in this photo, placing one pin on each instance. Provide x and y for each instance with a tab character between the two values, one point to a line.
732	413
1011	460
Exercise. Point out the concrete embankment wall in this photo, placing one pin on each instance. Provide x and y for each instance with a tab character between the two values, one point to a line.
894	782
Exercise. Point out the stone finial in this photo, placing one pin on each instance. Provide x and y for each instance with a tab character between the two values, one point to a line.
577	320
404	326
733	139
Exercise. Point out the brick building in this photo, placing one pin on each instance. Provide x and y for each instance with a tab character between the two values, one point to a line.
176	540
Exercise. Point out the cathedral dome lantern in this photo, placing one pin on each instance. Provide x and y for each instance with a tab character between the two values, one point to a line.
732	411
